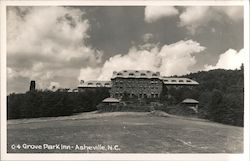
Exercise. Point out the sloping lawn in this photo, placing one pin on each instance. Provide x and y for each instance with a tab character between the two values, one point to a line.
122	133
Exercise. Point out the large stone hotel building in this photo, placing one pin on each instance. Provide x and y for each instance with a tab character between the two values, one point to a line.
137	83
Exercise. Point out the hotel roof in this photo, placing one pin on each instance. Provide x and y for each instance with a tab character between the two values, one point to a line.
96	84
139	74
135	74
178	81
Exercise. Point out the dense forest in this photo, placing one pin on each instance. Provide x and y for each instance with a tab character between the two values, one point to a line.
47	103
220	94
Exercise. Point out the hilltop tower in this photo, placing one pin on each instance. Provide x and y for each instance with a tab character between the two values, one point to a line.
32	85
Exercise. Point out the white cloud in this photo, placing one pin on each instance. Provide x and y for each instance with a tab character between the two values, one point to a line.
173	59
154	13
89	73
194	17
231	59
43	41
234	13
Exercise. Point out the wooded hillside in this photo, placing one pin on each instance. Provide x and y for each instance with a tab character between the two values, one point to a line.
47	103
220	94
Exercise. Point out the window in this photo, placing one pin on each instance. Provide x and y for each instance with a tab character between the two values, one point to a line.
173	80
90	83
154	74
152	82
188	80
131	74
180	80
148	71
119	73
106	84
136	71
143	74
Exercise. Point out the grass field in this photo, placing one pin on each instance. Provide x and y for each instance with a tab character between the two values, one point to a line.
122	132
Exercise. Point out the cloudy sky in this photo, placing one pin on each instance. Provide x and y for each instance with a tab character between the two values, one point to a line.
62	45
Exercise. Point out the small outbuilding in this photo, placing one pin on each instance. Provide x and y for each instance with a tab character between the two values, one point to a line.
110	101
109	105
191	104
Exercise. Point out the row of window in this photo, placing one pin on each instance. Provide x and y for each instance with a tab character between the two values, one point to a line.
133	74
138	87
136	82
125	71
173	80
141	95
98	84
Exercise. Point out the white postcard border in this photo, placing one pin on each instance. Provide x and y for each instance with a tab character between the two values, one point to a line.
124	156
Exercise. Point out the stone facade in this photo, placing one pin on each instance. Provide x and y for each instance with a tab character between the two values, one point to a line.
135	83
139	87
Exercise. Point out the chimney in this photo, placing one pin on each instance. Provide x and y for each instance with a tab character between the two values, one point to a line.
32	85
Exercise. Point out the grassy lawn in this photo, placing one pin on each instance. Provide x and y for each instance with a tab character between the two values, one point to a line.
132	132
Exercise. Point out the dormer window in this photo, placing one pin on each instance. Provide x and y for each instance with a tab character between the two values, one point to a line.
143	74
131	74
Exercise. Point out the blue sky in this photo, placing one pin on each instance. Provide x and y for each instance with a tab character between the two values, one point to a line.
62	45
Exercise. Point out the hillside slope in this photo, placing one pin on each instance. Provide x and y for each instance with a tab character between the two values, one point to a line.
128	132
220	94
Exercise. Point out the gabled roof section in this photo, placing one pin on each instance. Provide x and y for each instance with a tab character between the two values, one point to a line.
189	100
94	84
135	74
178	81
110	100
